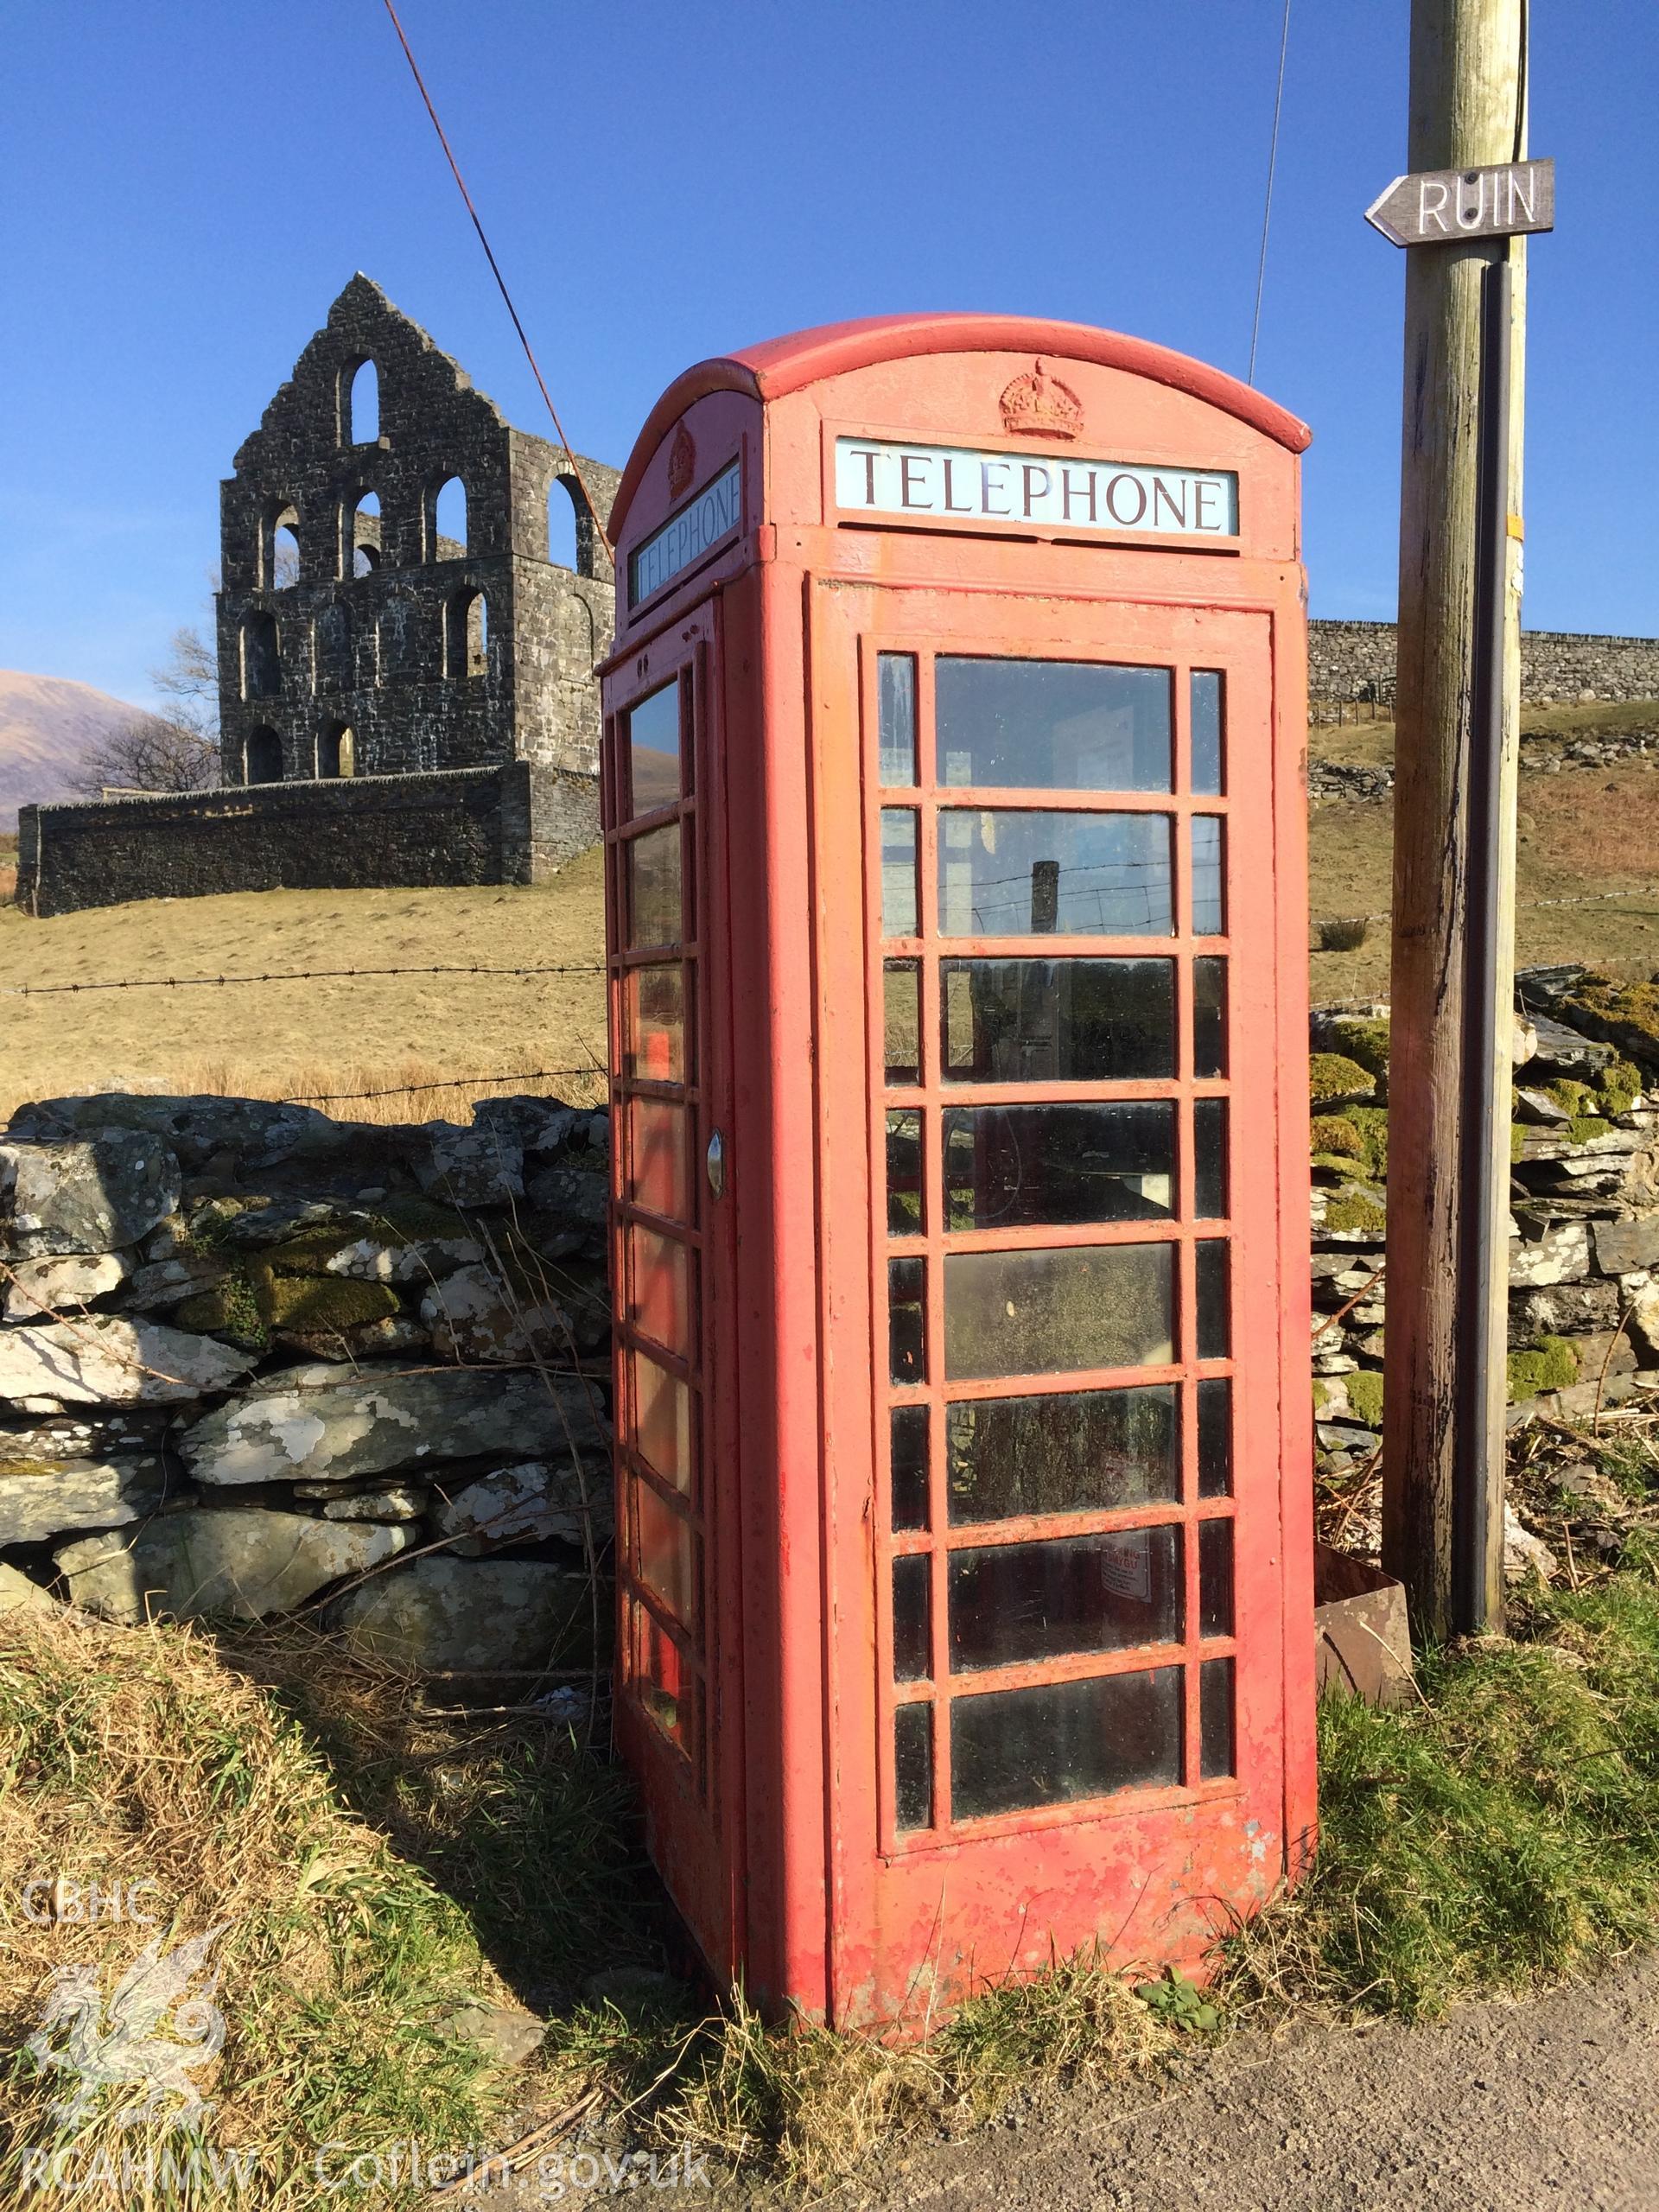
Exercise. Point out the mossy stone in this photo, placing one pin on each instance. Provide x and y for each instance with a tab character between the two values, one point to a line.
1620	1086
1365	1397
1372	1122
1355	1211
310	1304
231	1309
1551	1365
1626	1014
310	1253
1336	1133
1365	1041
1584	1129
1331	1076
415	1221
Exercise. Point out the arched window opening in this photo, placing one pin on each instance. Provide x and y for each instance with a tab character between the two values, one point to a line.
560	524
334	648
362	408
262	665
263	759
337	751
446	527
586	558
365	538
401	656
467	635
283	568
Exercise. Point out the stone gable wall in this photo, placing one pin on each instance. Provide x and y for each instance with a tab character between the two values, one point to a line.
382	655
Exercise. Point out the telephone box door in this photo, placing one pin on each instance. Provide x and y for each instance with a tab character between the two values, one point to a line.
671	1262
1058	1613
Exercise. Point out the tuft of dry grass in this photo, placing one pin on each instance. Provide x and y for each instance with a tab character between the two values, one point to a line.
196	1765
412	1090
369	1852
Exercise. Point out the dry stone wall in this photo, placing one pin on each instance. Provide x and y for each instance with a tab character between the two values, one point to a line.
254	1360
1356	660
1584	1208
517	824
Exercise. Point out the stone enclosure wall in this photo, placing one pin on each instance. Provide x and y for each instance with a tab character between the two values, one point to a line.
1584	1244
254	1360
1356	660
516	823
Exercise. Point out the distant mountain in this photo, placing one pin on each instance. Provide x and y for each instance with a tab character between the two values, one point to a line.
47	727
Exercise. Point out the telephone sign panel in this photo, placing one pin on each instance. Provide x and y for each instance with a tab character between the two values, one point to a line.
957	929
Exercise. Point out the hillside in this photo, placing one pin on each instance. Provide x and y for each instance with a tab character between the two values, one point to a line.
46	724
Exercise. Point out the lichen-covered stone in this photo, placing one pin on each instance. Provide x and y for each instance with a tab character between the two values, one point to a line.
95	1196
50	1497
342	1421
1365	1397
530	1503
473	1315
242	1561
467	1167
538	1125
42	1287
450	1615
390	1502
259	1131
108	1359
164	1283
1560	1255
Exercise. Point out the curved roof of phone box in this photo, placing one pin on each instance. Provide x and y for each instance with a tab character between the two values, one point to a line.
781	365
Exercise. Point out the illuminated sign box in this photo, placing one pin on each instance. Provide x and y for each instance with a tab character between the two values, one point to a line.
685	538
874	477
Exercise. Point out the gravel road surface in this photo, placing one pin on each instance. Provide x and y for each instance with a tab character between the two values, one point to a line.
1496	2108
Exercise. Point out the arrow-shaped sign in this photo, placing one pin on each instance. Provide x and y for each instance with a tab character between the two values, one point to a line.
1456	207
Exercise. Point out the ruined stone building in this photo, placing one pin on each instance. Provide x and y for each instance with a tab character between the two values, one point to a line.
406	667
389	603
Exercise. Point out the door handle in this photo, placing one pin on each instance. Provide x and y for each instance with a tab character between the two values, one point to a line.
717	1164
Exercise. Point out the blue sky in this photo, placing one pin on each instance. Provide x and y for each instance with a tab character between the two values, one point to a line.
189	182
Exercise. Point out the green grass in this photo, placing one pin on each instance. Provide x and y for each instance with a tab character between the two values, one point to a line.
379	1858
1499	1835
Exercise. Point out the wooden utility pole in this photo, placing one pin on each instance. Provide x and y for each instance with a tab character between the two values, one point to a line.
1453	979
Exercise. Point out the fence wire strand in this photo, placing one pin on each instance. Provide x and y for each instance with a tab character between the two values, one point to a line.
291	976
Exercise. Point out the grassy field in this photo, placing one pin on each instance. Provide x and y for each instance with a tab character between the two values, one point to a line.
1582	835
1370	745
311	1038
428	1039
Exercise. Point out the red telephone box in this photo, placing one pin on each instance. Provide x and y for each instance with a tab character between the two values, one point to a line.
956	891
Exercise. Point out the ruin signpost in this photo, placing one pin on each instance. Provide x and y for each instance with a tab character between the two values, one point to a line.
1439	206
1457	711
